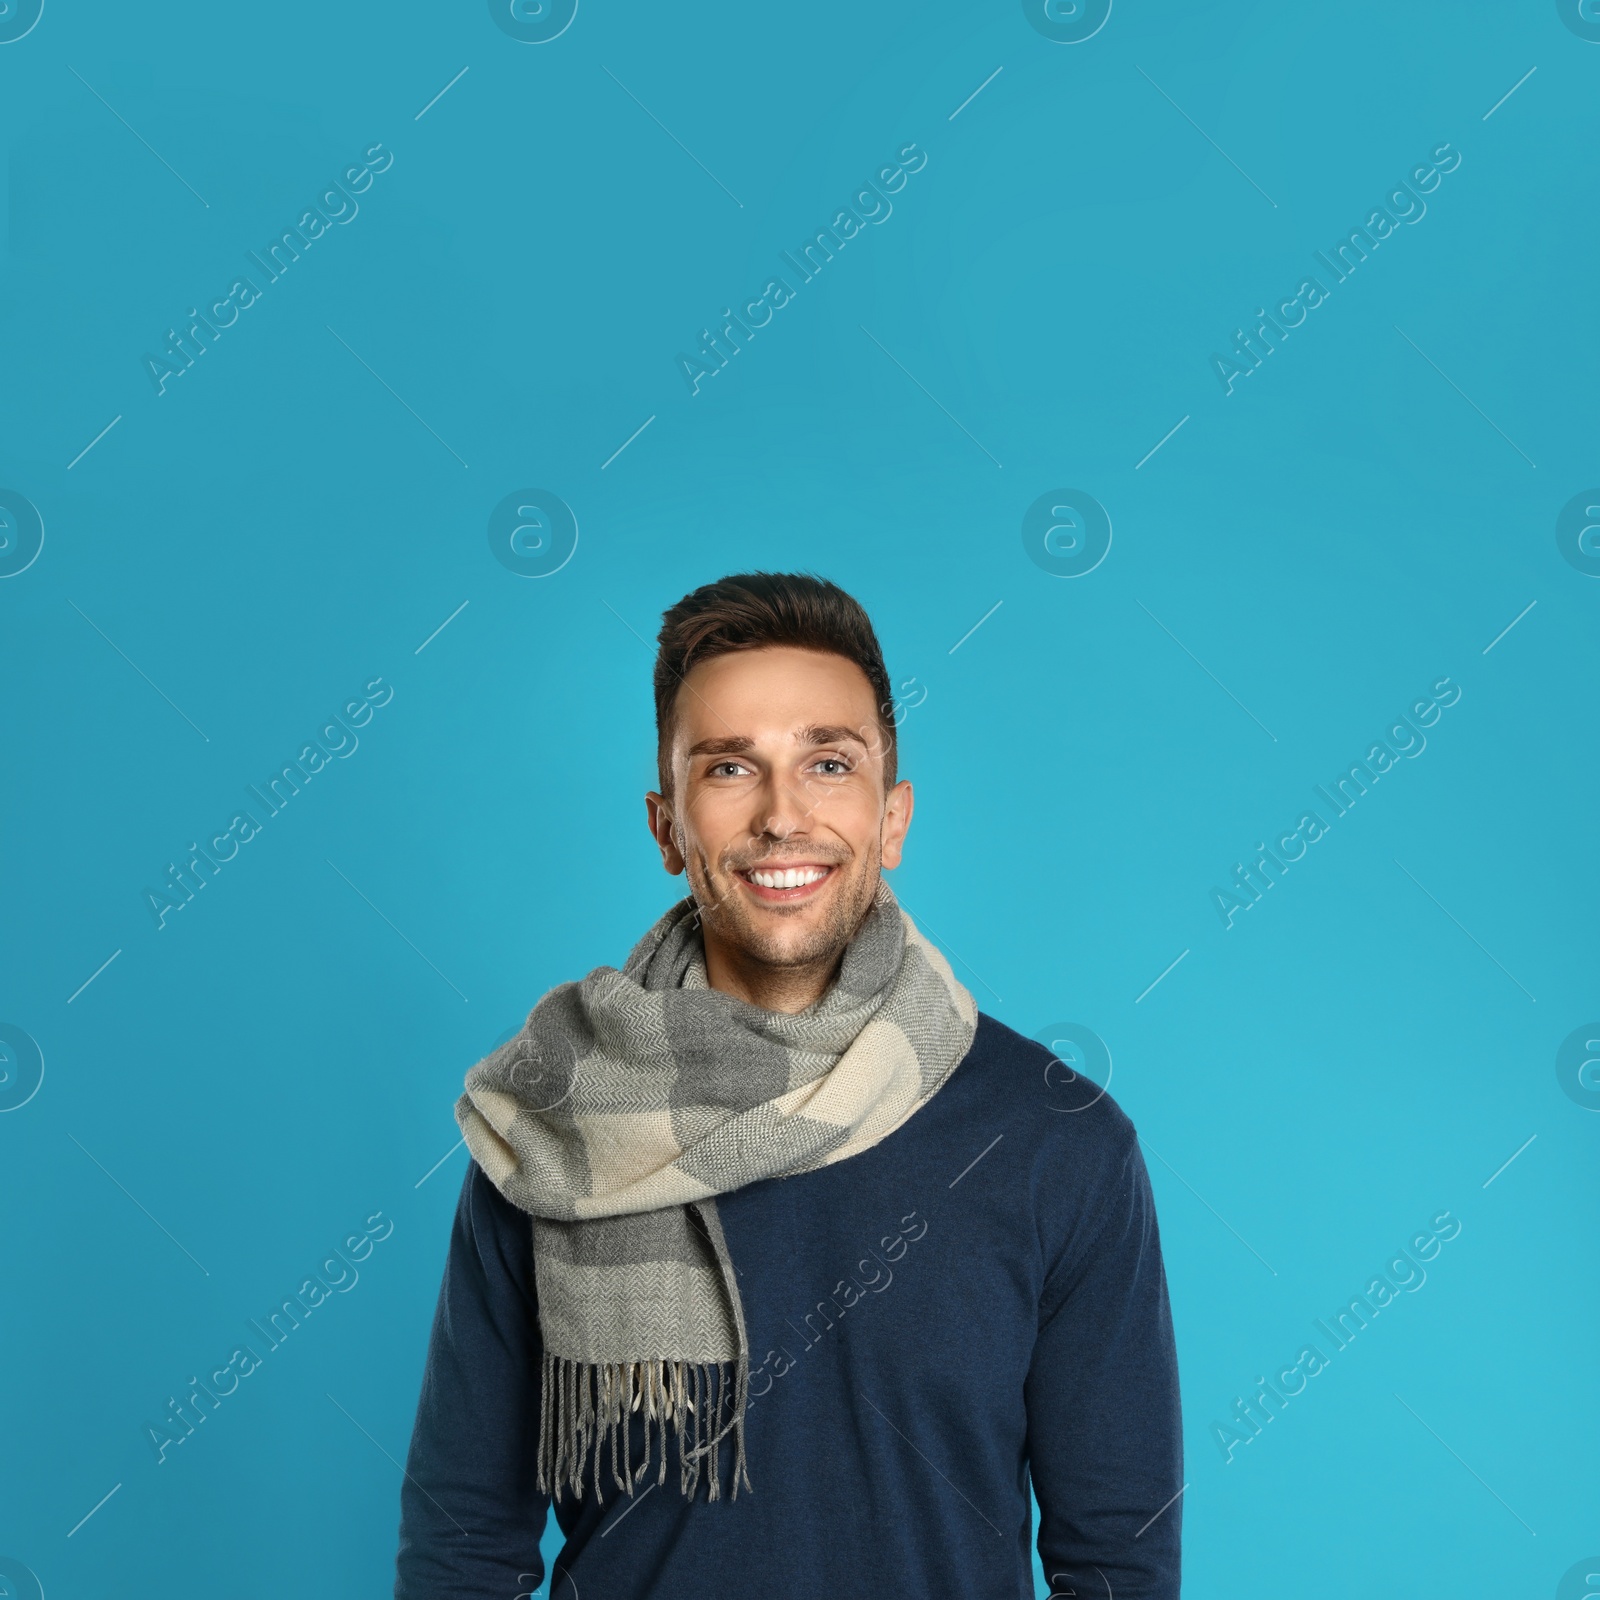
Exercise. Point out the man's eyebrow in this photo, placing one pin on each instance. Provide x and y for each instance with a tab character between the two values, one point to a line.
826	733
738	744
729	745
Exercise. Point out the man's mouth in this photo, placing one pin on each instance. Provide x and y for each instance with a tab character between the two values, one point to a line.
782	885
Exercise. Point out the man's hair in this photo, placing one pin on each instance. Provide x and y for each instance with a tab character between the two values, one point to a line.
749	610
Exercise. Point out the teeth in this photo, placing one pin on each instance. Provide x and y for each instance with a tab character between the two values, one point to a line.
790	878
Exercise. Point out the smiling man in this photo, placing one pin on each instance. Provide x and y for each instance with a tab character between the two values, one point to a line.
782	826
776	1204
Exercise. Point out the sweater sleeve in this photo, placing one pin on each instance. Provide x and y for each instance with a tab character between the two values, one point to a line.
470	1514
1105	1439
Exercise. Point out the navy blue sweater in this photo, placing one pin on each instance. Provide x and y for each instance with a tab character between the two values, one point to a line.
977	1299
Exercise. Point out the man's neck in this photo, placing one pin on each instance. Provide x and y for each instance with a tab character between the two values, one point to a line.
787	989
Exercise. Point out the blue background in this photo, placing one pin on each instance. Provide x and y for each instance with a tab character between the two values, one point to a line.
298	513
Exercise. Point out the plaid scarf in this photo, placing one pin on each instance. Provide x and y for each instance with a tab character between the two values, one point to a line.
628	1102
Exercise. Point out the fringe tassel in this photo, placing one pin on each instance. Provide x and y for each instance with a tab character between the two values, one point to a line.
584	1406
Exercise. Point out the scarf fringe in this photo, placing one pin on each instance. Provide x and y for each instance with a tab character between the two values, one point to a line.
584	1405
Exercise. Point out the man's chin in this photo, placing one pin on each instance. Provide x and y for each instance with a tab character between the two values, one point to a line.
782	937
787	947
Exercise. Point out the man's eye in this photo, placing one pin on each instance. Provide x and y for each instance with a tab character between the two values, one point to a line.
840	766
723	768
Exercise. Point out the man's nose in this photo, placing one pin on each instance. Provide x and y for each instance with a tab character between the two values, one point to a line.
782	810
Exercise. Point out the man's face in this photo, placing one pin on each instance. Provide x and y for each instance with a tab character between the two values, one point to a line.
777	768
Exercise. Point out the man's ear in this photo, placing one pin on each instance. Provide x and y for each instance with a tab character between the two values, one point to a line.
658	812
896	820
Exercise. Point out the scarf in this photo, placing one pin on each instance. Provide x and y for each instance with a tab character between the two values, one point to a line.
629	1101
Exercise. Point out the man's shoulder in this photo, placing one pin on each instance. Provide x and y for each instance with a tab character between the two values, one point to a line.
1070	1144
1056	1092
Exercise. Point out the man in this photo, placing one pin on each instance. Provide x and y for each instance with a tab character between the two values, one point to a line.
776	1205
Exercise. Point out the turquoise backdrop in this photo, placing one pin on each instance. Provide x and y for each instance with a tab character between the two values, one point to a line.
1202	402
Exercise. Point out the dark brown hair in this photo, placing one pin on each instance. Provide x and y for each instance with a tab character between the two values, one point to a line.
751	609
